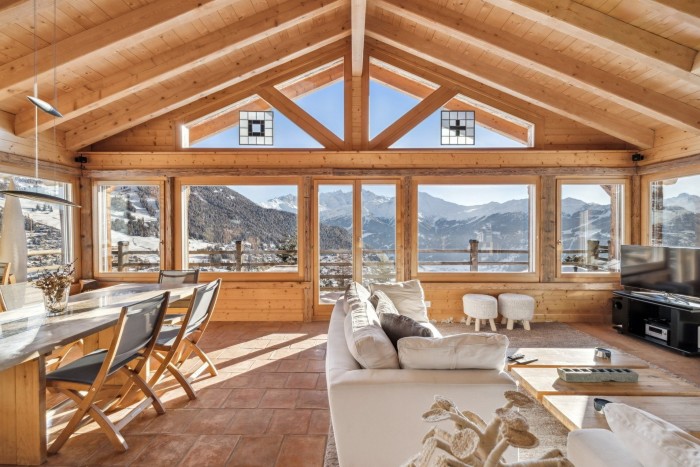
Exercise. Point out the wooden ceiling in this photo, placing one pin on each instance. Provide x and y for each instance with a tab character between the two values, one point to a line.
624	67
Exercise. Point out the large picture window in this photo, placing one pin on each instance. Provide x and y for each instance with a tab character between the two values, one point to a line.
129	227
241	228
674	212
475	227
591	226
48	227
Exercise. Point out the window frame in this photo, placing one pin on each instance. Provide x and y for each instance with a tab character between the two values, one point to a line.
73	242
534	240
181	237
129	275
357	248
646	181
625	230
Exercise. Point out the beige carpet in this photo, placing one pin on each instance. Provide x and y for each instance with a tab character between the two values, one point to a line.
551	432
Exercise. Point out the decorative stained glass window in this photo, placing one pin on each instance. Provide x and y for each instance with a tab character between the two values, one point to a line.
457	127
256	128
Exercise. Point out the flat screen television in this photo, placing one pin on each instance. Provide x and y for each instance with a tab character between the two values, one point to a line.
661	269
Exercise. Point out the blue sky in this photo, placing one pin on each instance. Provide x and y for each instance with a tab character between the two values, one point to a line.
386	106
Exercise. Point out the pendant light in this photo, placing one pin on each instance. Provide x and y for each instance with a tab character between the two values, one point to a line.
49	109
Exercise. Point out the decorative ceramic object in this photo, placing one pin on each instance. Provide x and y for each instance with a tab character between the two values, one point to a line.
477	444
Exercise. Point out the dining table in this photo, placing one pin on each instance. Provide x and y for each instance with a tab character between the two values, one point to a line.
28	333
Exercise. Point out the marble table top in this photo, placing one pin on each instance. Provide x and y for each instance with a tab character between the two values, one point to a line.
27	331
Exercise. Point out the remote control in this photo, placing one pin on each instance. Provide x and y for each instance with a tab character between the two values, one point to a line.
516	356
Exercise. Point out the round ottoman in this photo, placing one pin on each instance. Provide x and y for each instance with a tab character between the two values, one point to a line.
480	307
516	307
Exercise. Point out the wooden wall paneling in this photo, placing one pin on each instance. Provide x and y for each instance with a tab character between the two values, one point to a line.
19	146
670	144
262	301
87	243
157	134
548	225
408	206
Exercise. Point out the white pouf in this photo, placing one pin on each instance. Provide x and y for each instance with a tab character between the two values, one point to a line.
480	307
516	307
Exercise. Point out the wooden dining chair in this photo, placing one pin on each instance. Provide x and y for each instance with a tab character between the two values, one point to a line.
176	343
5	269
135	336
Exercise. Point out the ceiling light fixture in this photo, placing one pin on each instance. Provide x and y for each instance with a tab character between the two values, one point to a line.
49	109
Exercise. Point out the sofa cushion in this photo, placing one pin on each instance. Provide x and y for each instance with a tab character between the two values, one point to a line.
653	441
408	298
460	351
354	293
382	303
397	327
366	339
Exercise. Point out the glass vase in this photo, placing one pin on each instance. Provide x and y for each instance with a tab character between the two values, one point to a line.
56	301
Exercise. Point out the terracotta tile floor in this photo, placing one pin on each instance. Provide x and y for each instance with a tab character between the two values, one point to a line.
268	406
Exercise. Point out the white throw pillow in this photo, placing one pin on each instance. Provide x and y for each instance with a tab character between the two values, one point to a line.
653	441
408	298
457	352
366	339
354	293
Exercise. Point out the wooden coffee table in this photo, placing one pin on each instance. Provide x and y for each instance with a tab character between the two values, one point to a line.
577	412
573	357
540	382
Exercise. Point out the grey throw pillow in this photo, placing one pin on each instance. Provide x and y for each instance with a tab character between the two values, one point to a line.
398	326
382	303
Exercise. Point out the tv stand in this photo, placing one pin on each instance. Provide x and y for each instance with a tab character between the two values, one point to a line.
660	318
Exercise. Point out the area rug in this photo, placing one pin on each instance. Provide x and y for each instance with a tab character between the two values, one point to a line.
550	431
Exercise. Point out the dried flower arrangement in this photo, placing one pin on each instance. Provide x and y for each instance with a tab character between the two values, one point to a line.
54	284
477	444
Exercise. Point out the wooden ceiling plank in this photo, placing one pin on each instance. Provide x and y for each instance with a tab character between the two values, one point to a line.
229	118
205	107
15	11
134	26
526	90
580	74
685	11
358	16
609	33
301	118
419	90
201	85
413	117
175	61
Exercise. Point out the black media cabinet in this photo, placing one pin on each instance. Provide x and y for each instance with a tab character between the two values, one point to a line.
632	311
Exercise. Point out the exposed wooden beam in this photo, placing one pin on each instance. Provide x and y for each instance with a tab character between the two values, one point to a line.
202	50
528	91
201	84
413	117
122	31
301	118
487	119
230	117
13	11
206	106
358	16
357	106
577	73
686	11
609	33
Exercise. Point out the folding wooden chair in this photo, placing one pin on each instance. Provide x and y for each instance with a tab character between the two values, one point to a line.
135	336
5	269
181	340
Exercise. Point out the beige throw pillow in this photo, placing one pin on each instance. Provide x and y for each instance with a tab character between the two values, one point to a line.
366	339
457	352
382	303
653	441
408	298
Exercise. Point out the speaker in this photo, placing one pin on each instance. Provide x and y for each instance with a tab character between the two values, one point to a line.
620	312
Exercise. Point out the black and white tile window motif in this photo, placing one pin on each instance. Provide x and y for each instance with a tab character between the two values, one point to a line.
457	127
256	128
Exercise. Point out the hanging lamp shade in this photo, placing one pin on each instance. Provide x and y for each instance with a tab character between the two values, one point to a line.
36	196
45	106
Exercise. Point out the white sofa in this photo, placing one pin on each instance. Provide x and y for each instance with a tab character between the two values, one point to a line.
376	414
596	447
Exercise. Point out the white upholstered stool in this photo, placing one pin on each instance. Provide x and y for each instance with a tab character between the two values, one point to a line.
516	307
480	307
